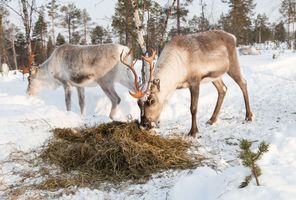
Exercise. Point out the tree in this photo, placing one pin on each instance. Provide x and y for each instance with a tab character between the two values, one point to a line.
223	22
203	22
85	21
49	47
52	7
97	35
71	16
180	13
60	39
122	22
239	19
288	10
262	32
249	160
20	47
280	32
198	24
39	33
3	14
27	10
156	19
12	32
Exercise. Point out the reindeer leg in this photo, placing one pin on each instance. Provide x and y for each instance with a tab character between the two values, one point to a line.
243	86
221	88
109	90
194	91
67	89
81	98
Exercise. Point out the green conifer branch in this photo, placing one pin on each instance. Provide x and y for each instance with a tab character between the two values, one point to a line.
249	160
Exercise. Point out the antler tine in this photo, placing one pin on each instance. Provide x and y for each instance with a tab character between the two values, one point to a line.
139	93
150	62
152	57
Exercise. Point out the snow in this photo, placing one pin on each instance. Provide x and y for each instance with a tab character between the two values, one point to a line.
26	123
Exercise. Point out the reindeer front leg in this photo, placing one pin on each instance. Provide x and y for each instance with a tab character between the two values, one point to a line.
81	99
194	91
67	89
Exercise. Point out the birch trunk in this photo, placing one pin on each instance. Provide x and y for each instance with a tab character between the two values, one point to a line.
140	40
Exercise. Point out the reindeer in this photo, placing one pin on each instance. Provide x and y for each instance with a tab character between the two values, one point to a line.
83	66
186	62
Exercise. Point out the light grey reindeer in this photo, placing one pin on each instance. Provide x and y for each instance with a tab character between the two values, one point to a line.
186	62
83	66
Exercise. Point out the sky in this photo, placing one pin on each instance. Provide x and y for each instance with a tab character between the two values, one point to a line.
101	11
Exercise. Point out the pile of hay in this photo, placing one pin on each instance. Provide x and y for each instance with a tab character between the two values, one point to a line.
116	152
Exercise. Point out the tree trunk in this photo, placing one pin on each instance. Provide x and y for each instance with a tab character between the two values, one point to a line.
166	24
27	25
12	37
178	18
140	39
128	23
69	29
52	22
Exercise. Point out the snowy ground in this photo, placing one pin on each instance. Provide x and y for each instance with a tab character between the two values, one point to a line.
25	124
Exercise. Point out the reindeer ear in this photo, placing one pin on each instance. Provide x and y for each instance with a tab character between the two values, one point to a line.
156	82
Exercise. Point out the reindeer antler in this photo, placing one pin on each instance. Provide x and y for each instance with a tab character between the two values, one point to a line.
149	60
139	93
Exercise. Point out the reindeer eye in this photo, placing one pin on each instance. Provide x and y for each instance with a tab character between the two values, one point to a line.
151	101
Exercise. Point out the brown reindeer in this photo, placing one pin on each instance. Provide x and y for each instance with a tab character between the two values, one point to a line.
186	62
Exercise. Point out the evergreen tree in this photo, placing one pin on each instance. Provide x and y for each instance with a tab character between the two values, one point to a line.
249	160
3	15
97	35
155	24
288	10
60	39
280	32
20	47
239	19
107	36
53	7
180	13
198	24
71	16
38	43
86	27
50	47
262	32
122	22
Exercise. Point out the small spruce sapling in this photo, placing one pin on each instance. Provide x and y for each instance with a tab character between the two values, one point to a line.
249	159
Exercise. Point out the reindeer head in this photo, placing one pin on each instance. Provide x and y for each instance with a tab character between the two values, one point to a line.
147	99
151	106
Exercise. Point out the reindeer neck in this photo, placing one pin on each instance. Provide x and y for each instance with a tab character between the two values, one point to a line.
170	75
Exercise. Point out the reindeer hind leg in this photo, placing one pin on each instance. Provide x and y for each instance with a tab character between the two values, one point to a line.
112	95
221	89
237	77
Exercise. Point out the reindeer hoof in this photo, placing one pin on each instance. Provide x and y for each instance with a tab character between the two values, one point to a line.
193	133
211	121
249	117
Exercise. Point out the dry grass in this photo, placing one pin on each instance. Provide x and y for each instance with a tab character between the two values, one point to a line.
114	152
96	156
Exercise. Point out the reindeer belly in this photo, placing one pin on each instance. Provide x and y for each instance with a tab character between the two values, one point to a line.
83	80
209	79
